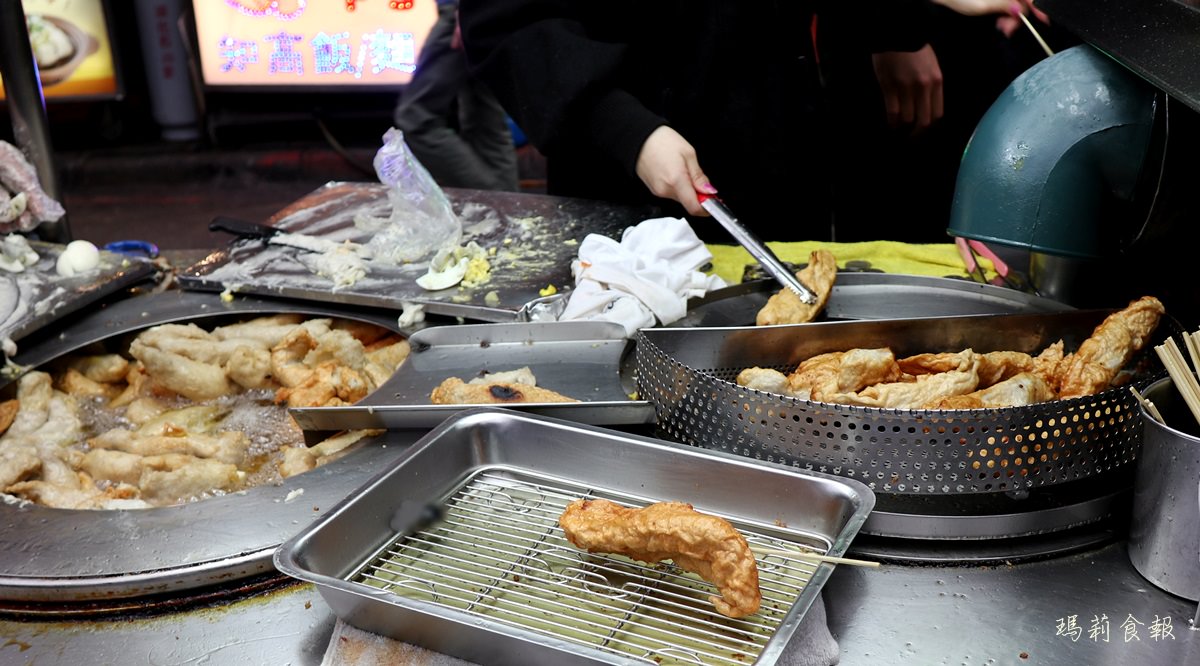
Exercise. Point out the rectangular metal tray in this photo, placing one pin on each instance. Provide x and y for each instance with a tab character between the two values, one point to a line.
580	359
494	581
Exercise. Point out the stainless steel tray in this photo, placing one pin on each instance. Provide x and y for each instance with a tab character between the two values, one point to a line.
534	238
494	581
580	359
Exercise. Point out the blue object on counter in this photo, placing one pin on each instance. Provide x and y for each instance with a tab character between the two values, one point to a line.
133	248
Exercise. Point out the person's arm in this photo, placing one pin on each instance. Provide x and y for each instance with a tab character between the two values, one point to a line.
562	85
555	79
897	33
911	84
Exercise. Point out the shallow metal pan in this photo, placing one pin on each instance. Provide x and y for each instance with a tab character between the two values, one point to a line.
589	361
526	467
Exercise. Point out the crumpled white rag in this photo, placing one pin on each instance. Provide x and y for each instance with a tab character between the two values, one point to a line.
649	275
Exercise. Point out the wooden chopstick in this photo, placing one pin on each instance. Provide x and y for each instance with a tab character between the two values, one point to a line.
1036	35
1183	378
800	554
1190	343
1149	406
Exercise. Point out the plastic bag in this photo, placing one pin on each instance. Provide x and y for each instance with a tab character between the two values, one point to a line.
421	220
23	203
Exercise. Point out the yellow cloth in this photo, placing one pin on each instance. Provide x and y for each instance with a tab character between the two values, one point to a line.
934	259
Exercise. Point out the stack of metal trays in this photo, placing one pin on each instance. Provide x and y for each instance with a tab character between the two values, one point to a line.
1031	469
493	579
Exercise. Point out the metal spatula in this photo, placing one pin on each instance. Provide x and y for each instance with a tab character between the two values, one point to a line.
761	253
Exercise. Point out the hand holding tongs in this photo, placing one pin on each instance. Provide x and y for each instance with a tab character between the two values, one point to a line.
765	257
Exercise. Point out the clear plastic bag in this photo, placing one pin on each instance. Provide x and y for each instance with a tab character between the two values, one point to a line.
421	221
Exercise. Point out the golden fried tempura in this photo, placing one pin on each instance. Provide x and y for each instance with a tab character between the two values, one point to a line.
1112	344
785	307
702	544
455	391
924	389
8	412
826	377
764	379
1019	390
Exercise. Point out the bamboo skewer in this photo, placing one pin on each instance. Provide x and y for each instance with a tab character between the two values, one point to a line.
1150	408
1182	376
800	554
1189	341
1036	35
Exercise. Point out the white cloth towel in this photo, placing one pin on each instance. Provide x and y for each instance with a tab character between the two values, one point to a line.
647	276
811	645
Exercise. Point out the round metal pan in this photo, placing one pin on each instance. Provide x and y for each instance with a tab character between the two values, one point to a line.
55	555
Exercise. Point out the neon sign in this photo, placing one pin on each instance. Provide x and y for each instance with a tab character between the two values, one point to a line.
310	43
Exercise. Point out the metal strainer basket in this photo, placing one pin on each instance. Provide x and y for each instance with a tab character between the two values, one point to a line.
688	375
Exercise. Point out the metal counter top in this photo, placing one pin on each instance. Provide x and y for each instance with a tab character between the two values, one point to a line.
896	614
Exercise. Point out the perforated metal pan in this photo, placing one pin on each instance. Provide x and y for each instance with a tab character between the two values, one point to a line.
689	376
494	581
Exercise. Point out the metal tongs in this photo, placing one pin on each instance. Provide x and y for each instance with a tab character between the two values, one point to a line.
967	249
765	257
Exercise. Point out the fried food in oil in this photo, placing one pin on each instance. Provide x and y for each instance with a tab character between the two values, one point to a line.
785	307
1112	344
187	416
702	544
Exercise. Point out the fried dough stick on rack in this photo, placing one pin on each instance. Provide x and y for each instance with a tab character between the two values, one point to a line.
702	544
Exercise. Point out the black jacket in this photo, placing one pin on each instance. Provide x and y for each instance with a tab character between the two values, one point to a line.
588	81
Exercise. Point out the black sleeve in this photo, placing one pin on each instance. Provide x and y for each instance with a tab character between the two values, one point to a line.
884	25
560	83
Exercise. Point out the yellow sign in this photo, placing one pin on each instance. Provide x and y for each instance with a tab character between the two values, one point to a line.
71	45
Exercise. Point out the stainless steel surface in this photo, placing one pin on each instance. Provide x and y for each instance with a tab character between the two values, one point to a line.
579	359
27	110
1164	537
757	249
54	555
1005	454
871	296
39	295
534	237
911	615
1033	613
574	460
